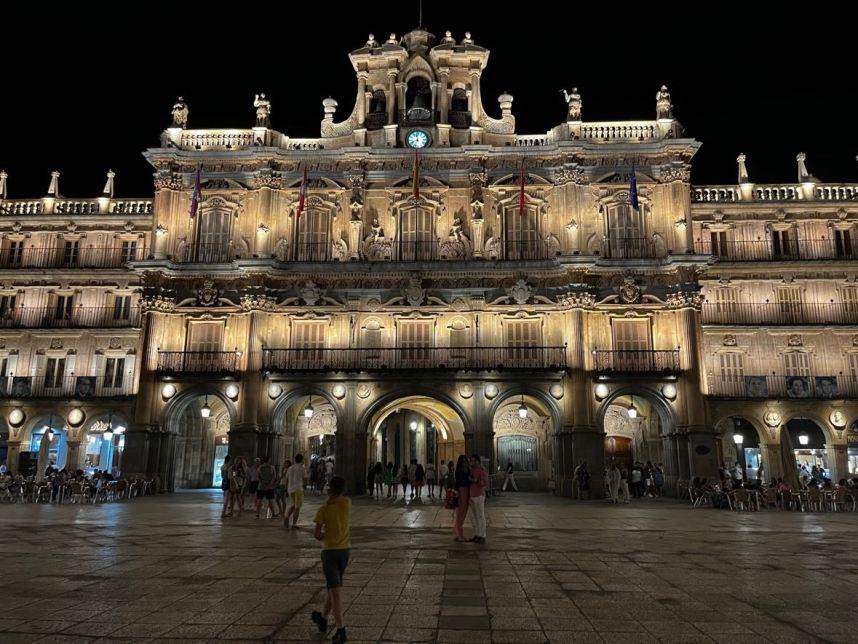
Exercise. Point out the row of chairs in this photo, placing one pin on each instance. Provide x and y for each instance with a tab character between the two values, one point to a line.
76	491
809	500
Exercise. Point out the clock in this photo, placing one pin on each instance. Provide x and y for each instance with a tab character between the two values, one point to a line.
417	139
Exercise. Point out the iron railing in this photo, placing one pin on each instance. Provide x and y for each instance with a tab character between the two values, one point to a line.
70	257
198	361
77	387
781	386
636	361
219	253
631	248
779	313
400	358
772	250
78	317
528	249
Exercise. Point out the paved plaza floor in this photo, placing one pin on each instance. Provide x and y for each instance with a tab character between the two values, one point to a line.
169	569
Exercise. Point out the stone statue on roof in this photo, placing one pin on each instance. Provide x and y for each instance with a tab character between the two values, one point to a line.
263	110
180	113
573	100
663	106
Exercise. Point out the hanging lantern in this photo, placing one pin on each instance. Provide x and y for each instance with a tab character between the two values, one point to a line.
206	411
522	409
308	410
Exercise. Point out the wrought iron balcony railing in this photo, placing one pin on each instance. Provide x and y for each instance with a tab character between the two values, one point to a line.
404	359
636	361
77	387
198	361
832	387
219	253
70	257
78	317
779	313
768	250
631	248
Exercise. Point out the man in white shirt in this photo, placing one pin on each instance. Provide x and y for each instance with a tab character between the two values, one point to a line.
295	476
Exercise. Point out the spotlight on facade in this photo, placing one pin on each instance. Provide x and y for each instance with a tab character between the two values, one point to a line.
738	439
205	410
308	410
803	439
168	391
16	417
522	409
413	425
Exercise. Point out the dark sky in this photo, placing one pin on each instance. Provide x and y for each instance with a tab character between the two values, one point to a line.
81	94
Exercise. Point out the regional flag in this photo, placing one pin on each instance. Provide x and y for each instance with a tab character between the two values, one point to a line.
196	196
633	191
302	193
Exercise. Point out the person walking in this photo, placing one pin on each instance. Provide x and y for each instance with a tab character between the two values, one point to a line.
329	471
637	481
333	523
379	480
238	483
613	480
225	471
403	479
510	477
430	479
389	474
582	475
412	471
658	479
624	484
280	488
295	488
419	480
267	474
463	485
477	498
253	477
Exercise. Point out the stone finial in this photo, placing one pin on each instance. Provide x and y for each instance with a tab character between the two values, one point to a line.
108	187
3	185
505	101
448	38
371	41
54	188
803	175
330	107
743	169
663	106
392	40
180	113
467	40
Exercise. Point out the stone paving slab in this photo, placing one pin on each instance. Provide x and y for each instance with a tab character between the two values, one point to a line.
168	569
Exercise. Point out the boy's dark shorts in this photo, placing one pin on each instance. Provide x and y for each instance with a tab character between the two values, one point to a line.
264	494
334	564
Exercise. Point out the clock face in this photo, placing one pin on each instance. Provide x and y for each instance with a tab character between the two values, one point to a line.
417	139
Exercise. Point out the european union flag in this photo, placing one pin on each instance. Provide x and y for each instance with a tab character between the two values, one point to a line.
633	190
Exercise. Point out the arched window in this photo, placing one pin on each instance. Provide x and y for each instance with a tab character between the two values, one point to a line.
214	237
417	240
313	236
520	451
418	100
521	234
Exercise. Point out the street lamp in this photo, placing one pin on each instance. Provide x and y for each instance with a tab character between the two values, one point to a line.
632	410
803	439
205	410
108	433
738	439
413	425
522	409
308	410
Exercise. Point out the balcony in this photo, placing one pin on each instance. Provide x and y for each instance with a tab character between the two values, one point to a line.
92	257
781	386
79	317
779	313
636	361
631	248
77	387
198	361
767	250
219	253
407	359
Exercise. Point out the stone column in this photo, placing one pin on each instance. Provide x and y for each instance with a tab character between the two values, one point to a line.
839	462
443	95
361	97
12	454
73	456
588	444
355	228
391	96
564	463
670	462
770	453
476	99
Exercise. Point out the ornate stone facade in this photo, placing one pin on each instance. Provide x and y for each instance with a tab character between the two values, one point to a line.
513	278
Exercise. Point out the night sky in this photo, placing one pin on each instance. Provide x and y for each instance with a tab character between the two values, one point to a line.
80	97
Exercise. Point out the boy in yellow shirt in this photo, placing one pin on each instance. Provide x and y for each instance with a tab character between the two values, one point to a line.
332	527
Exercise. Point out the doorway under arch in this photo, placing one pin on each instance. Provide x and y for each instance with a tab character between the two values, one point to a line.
810	447
523	435
199	428
103	443
414	427
740	444
633	428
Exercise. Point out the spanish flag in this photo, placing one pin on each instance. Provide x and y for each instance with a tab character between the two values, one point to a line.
415	175
302	193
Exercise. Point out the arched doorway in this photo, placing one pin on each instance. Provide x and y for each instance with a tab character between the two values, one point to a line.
809	444
305	423
199	431
740	444
633	431
53	429
103	443
852	449
524	437
414	427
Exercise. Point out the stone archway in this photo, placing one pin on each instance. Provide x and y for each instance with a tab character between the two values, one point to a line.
742	443
524	435
102	442
304	421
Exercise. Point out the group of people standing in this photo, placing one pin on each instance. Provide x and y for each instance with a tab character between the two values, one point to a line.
392	477
644	479
266	483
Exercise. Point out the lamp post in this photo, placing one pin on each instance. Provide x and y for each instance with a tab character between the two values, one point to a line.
308	410
738	440
632	410
205	410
